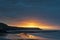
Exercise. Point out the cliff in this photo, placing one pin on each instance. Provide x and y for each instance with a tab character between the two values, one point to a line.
5	27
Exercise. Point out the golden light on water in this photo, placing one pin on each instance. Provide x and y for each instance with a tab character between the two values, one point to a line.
23	36
29	36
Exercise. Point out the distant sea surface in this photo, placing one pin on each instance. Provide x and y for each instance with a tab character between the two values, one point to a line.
35	36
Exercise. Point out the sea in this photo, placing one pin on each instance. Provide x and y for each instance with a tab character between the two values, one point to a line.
31	36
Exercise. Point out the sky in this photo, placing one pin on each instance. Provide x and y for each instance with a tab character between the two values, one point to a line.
47	11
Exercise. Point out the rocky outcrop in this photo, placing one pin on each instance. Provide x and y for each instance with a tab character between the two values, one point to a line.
5	27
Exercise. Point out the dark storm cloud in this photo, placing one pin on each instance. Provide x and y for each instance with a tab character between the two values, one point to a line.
43	9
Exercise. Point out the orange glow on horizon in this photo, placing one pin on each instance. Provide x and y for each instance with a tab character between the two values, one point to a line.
34	23
29	23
